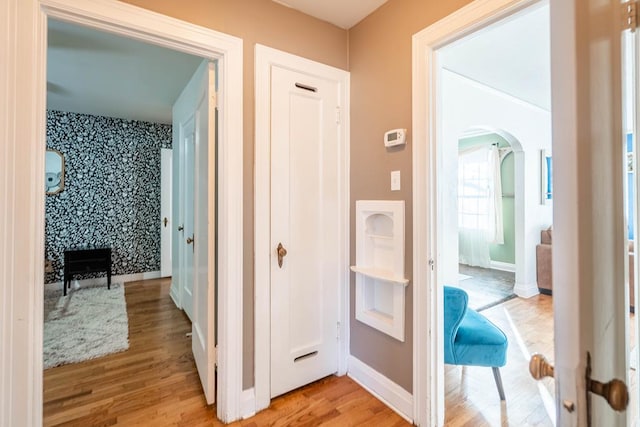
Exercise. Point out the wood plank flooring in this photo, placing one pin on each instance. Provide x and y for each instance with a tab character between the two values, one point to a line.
471	395
155	382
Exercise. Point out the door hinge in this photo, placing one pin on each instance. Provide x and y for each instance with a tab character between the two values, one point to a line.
431	263
338	331
338	115
629	15
215	357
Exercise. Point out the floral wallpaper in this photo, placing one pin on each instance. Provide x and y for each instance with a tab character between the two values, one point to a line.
111	195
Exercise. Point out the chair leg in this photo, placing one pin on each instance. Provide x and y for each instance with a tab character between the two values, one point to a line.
496	376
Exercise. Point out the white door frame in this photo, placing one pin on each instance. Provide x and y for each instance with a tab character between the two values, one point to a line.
428	354
23	43
265	58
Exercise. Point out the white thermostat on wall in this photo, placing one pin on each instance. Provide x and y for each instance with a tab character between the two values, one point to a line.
395	137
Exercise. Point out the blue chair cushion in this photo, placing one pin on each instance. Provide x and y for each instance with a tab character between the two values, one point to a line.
479	342
455	308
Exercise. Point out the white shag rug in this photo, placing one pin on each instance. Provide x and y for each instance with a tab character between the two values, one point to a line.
89	322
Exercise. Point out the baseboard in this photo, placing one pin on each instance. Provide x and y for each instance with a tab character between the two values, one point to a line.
248	403
503	266
526	290
174	295
123	278
390	393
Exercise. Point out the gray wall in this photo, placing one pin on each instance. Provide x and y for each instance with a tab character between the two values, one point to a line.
112	190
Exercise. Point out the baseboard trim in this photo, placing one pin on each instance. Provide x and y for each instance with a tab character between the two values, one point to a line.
174	296
122	278
248	403
526	290
502	266
390	393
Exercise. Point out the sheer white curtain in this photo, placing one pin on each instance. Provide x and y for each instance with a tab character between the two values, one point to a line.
479	204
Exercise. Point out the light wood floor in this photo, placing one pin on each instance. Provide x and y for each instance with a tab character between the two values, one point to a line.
155	382
471	395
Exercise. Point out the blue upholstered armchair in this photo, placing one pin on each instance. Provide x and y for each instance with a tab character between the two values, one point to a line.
469	338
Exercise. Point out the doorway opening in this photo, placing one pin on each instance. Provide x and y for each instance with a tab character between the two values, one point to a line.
429	45
495	119
111	101
486	217
168	32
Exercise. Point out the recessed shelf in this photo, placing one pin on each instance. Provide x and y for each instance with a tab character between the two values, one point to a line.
385	275
380	281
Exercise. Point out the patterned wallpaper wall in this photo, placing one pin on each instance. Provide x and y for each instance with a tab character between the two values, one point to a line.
112	190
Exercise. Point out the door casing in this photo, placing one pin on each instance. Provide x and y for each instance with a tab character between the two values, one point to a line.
21	393
428	354
265	58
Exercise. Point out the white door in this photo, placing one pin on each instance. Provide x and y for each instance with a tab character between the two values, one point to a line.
166	201
203	305
590	305
189	147
305	222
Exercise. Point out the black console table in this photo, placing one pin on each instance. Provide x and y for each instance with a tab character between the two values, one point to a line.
86	260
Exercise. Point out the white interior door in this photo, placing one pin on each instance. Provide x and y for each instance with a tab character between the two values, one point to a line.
590	305
204	313
166	203
189	148
305	221
631	72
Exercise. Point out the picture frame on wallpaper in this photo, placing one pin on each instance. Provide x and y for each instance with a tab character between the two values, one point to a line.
546	174
54	172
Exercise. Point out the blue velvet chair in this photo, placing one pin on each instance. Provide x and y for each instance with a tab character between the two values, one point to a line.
469	338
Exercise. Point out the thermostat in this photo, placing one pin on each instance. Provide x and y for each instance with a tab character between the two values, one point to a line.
395	137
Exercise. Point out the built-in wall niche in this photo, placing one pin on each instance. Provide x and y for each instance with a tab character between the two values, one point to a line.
380	281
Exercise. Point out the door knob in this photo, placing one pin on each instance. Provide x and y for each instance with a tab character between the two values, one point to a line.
615	391
539	367
180	227
282	252
189	240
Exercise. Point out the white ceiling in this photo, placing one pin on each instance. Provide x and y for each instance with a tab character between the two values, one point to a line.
344	14
512	56
102	74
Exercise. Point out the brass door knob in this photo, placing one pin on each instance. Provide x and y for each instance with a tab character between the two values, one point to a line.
615	391
180	228
282	252
539	367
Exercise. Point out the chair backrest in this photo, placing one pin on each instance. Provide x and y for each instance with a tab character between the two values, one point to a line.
455	307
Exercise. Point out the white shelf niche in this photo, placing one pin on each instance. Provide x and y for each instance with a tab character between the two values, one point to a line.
380	281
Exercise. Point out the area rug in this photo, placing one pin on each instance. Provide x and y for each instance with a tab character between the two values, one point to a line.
89	322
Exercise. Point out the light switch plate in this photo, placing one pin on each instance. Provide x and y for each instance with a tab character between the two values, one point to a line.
395	180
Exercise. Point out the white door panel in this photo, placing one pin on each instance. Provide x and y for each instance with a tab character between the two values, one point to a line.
590	311
188	203
304	219
166	220
195	203
203	317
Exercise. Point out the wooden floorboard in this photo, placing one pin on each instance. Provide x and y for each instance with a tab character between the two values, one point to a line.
155	382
